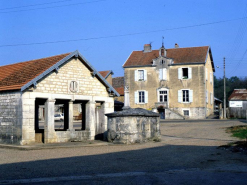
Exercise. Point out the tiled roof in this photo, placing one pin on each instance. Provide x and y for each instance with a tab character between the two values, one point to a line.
105	73
238	94
14	76
179	56
118	82
120	90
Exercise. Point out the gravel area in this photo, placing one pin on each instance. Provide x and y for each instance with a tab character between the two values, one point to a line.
187	154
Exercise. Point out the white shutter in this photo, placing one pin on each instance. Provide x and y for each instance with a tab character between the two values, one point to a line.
191	95
136	97
180	96
206	74
206	96
145	75
179	73
136	75
164	74
189	73
146	96
211	98
160	74
211	77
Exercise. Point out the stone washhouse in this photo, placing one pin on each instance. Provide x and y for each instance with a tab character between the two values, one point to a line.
44	86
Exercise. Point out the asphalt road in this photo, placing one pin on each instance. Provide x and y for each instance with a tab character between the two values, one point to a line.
187	154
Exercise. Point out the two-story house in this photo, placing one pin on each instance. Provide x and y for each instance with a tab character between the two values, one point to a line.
178	82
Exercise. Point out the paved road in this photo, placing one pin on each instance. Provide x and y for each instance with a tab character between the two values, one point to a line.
188	154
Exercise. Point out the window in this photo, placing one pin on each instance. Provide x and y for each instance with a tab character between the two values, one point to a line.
211	78
206	73
163	74
206	96
140	75
186	112
185	96
73	86
184	73
163	96
141	97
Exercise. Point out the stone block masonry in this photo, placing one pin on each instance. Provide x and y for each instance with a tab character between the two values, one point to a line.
10	117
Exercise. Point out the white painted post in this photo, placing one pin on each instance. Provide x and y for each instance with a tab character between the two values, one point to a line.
49	128
90	118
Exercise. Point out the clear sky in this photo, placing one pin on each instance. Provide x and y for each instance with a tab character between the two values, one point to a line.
107	31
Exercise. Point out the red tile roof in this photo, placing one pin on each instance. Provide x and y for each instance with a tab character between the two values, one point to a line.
14	76
238	94
179	56
104	73
120	90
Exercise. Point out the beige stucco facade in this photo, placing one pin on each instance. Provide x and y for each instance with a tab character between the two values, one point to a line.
199	86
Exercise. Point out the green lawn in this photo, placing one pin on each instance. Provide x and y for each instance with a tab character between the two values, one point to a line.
238	131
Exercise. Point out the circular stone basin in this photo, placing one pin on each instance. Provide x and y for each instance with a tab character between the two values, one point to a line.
133	126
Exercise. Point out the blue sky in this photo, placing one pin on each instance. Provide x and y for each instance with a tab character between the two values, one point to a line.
107	31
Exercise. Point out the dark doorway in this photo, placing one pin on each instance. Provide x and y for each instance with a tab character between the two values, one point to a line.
161	111
39	119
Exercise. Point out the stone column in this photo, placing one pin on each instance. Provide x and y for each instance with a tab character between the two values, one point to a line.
126	97
50	134
71	112
90	118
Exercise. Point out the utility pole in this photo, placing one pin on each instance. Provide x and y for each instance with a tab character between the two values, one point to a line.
224	88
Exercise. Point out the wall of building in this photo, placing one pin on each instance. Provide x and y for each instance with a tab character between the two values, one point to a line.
73	70
238	112
209	85
56	87
173	84
10	117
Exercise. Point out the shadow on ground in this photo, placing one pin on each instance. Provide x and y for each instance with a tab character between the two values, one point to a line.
155	160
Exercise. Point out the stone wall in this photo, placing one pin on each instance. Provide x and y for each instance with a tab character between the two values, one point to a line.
73	70
10	117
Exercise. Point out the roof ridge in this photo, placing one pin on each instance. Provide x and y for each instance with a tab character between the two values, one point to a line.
35	59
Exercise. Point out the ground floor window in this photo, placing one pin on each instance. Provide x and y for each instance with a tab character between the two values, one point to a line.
186	112
141	97
163	96
185	95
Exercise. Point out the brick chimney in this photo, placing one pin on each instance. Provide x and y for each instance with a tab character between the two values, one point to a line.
176	45
147	48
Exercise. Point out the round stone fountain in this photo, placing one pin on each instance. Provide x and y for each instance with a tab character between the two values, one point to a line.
133	126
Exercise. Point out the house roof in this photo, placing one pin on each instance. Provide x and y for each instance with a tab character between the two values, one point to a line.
21	76
120	90
14	76
179	56
118	82
238	94
105	74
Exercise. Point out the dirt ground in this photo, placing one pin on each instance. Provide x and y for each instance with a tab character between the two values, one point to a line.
189	153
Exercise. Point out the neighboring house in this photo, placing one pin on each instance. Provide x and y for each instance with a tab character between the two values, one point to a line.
118	84
238	103
107	75
63	80
178	81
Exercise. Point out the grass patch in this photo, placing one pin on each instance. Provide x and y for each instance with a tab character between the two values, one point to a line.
238	131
